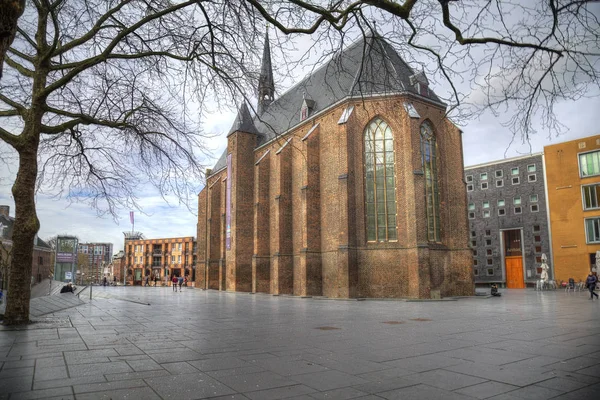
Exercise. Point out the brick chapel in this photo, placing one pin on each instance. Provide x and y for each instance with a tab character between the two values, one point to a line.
349	185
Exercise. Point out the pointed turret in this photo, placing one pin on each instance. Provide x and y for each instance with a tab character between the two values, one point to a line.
266	87
243	121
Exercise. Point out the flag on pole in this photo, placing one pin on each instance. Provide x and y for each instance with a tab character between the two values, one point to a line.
131	217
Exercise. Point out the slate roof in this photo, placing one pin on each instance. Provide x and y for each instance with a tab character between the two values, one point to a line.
7	224
370	66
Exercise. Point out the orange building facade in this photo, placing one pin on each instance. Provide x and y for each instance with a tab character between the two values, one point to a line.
573	184
159	258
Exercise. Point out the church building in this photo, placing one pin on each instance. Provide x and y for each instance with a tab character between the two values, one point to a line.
348	185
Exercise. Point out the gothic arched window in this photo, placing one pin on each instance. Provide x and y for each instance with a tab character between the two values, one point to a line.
432	194
380	182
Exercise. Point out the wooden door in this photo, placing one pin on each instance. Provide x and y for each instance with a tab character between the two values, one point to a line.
514	272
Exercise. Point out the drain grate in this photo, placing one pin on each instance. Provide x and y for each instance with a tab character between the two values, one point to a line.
327	328
420	319
394	322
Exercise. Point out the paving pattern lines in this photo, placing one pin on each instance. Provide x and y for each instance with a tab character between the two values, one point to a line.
199	344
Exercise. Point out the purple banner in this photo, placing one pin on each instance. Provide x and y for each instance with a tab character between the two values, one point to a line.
65	257
228	205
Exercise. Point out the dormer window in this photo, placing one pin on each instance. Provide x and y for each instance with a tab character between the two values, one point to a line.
307	107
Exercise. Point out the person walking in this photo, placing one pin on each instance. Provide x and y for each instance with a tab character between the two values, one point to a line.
591	285
180	279
147	278
174	280
155	280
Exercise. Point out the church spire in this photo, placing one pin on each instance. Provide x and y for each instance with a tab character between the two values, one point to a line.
266	87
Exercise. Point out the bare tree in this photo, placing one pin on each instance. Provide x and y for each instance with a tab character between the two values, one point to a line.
102	96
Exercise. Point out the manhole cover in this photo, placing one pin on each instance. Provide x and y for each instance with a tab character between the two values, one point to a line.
393	322
420	319
327	328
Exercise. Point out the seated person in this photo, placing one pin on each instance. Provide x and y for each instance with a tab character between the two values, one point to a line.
68	288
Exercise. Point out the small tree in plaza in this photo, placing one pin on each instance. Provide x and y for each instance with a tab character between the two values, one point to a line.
101	97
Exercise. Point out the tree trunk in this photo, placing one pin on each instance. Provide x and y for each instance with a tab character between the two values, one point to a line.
25	228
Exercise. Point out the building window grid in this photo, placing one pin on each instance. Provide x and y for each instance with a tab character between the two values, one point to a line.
516	180
500	183
531	168
380	182
486	213
483	176
533	198
501	212
514	171
486	204
471	206
534	208
469	178
484	185
518	210
517	200
432	195
499	173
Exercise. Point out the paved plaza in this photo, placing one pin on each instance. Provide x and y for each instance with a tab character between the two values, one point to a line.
152	343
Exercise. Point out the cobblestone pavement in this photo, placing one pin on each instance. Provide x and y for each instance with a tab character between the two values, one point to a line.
199	344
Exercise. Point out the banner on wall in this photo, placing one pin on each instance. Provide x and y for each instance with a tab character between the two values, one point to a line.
228	205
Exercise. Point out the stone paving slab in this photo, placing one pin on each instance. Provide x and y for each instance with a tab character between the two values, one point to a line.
199	344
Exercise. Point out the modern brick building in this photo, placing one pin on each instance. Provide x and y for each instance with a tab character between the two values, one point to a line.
347	185
573	175
99	257
161	258
508	220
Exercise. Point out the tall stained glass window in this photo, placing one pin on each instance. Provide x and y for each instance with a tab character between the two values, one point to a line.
380	182
432	194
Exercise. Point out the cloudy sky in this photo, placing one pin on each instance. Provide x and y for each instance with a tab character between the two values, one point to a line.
485	139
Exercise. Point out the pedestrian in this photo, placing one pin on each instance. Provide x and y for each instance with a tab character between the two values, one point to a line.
174	280
155	280
185	281
180	279
591	285
104	282
147	278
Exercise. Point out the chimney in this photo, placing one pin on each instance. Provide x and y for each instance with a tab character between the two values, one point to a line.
4	210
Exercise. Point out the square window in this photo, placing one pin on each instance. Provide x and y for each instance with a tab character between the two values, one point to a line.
531	178
589	164
469	178
484	185
517	200
534	208
475	272
515	180
500	203
514	171
531	168
488	232
475	262
474	252
501	212
490	261
500	183
592	230
533	198
486	204
488	252
469	188
591	197
518	210
538	249
483	176
473	233
471	206
474	243
471	215
490	271
538	259
536	228
499	173
488	242
537	238
486	213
